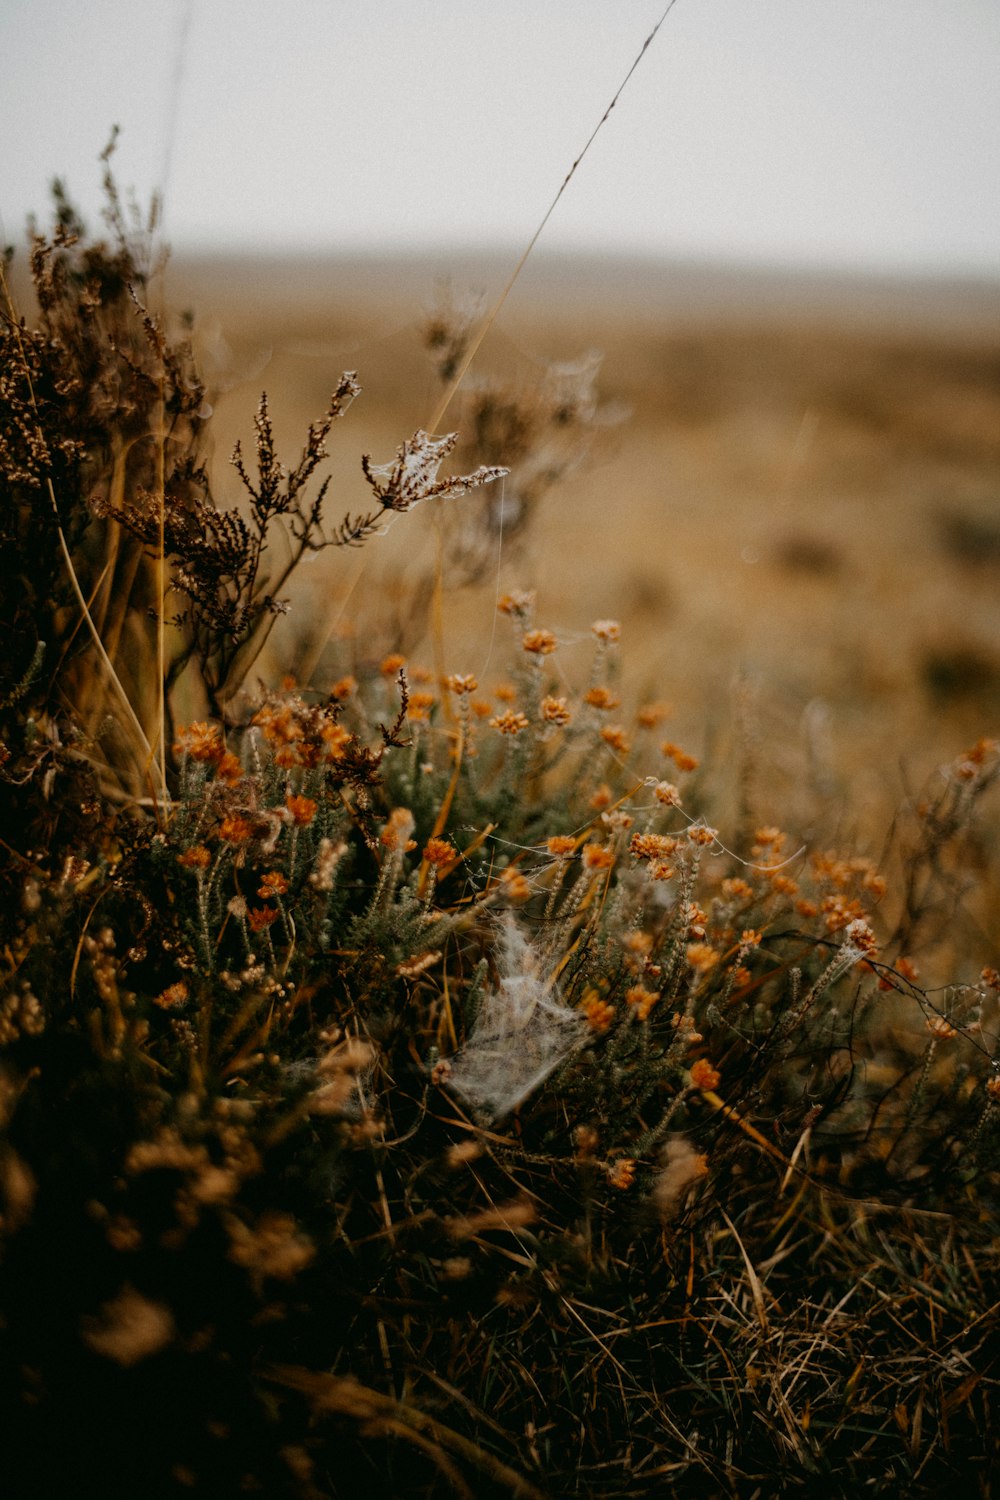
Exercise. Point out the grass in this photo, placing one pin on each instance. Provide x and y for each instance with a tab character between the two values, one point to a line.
417	1085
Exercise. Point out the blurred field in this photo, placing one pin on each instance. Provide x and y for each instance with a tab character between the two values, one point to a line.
801	495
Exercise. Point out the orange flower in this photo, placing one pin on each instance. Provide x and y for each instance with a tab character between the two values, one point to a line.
651	714
235	829
260	917
539	642
516	602
860	935
680	758
652	845
701	957
598	857
173	996
195	858
694	919
398	828
439	852
991	978
344	687
667	793
904	968
736	889
302	809
784	885
556	710
229	768
601	797
420	705
615	736
620	1173
509	722
602	698
704	1076
390	665
200	741
638	941
641	1000
287	756
335	737
515	885
598	1013
561	845
700	833
607	630
461	683
272	883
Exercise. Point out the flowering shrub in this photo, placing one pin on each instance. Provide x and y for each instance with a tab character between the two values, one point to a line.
417	1089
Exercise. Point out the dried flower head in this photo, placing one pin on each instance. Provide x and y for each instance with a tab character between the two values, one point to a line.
652	714
556	711
701	957
601	698
302	809
615	737
235	829
511	722
195	858
620	1173
517	602
704	1076
596	1011
439	852
680	758
411	477
641	1000
200	741
539	642
598	857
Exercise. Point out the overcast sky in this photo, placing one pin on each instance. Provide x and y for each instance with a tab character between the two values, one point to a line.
848	133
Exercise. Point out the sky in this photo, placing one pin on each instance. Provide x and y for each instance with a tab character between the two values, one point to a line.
844	134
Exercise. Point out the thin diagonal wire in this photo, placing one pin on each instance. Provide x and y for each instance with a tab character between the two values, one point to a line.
473	350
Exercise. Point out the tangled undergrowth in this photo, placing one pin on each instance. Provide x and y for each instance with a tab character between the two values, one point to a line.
406	1089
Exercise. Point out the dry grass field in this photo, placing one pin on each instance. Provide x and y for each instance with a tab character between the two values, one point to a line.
793	505
441	1052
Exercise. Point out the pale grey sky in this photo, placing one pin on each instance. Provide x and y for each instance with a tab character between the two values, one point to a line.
848	133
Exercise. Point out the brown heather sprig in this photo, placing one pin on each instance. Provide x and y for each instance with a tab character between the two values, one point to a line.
410	479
